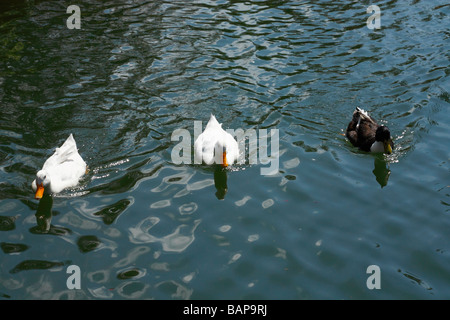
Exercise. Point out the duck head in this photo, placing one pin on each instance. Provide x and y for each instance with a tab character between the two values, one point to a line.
383	136
42	181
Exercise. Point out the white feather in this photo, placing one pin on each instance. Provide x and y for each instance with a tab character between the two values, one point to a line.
63	169
211	143
377	146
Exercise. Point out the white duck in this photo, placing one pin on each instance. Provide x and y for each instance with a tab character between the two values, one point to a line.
215	145
62	170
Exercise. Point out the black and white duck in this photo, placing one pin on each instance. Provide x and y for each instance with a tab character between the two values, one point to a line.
366	134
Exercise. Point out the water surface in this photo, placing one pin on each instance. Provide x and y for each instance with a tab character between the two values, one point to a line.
141	227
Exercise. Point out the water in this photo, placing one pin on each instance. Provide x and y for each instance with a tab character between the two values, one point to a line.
141	227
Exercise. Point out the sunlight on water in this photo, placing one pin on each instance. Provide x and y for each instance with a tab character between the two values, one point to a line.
141	226
175	241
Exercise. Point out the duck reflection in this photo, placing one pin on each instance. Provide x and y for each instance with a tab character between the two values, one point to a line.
381	170
44	214
220	182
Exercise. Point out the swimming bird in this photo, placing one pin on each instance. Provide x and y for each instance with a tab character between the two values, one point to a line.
366	134
62	170
215	145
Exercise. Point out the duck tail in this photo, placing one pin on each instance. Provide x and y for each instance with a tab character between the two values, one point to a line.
362	113
63	153
213	121
67	149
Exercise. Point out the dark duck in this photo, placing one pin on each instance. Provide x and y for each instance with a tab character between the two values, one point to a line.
366	134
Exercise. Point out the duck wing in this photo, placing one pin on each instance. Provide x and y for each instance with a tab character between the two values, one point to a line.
204	147
65	166
214	137
366	134
361	129
66	175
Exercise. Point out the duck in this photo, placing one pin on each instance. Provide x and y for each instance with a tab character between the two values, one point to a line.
215	145
366	134
62	170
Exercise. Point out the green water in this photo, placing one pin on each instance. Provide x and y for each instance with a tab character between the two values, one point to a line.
141	227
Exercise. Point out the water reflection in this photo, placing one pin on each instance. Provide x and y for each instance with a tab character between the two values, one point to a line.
177	241
220	182
13	247
381	170
88	243
7	223
44	216
36	265
142	70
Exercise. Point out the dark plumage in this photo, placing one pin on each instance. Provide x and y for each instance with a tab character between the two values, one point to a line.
366	134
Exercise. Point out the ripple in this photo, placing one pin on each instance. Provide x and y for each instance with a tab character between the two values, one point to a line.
12	248
188	208
243	201
123	71
178	178
88	243
110	213
289	164
101	293
160	204
235	258
225	228
36	265
130	273
7	223
173	242
75	221
267	203
132	289
132	256
143	70
99	276
415	279
198	185
174	290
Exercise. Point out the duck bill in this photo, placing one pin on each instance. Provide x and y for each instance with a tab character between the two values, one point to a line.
224	159
387	147
39	192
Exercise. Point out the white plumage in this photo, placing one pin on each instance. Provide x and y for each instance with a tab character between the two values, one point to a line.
62	170
215	145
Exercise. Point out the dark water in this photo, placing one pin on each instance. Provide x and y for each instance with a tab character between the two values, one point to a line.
141	227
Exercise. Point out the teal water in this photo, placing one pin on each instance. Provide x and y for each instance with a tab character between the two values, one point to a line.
141	227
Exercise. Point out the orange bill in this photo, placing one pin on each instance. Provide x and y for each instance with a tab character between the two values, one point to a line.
224	159
39	192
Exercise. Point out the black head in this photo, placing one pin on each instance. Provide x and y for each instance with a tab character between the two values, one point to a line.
382	134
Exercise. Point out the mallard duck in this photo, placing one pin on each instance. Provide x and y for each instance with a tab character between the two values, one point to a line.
366	134
62	170
215	145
